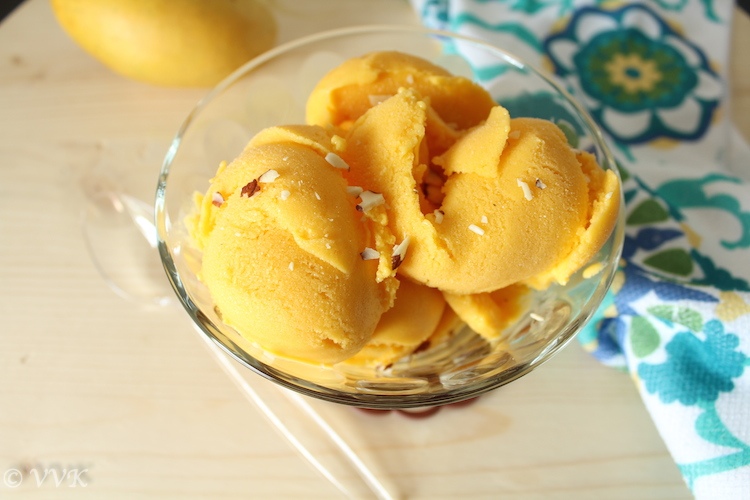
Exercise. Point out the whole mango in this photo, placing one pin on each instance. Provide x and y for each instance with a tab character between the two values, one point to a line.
185	43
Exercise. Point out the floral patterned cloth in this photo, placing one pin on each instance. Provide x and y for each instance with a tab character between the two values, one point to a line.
653	75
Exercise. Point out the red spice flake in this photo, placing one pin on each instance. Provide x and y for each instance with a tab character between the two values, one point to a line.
250	189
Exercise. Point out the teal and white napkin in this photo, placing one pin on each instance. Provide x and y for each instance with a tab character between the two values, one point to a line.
653	74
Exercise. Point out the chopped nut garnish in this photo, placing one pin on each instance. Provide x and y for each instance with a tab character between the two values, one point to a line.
540	184
476	229
353	190
525	188
608	195
369	254
249	189
439	214
396	261
268	176
484	219
369	199
284	194
337	161
291	266
399	252
217	199
316	195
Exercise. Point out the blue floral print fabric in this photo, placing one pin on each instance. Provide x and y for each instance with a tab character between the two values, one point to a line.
653	75
642	79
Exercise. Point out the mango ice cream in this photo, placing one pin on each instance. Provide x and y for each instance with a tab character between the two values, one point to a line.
409	201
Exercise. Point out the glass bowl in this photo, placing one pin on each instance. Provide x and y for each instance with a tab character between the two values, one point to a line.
272	90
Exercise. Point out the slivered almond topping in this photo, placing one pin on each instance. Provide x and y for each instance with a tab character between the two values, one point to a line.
337	161
353	190
476	229
525	188
217	199
484	219
369	254
369	199
317	195
396	261
399	252
291	266
268	176
540	184
439	214
284	194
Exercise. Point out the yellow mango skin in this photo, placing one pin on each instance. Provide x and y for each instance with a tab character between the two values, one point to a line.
176	43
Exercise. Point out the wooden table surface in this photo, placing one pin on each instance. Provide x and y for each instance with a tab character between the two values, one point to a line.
127	401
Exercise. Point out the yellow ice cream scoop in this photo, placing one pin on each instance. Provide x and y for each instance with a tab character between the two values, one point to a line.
346	92
524	207
284	254
409	202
